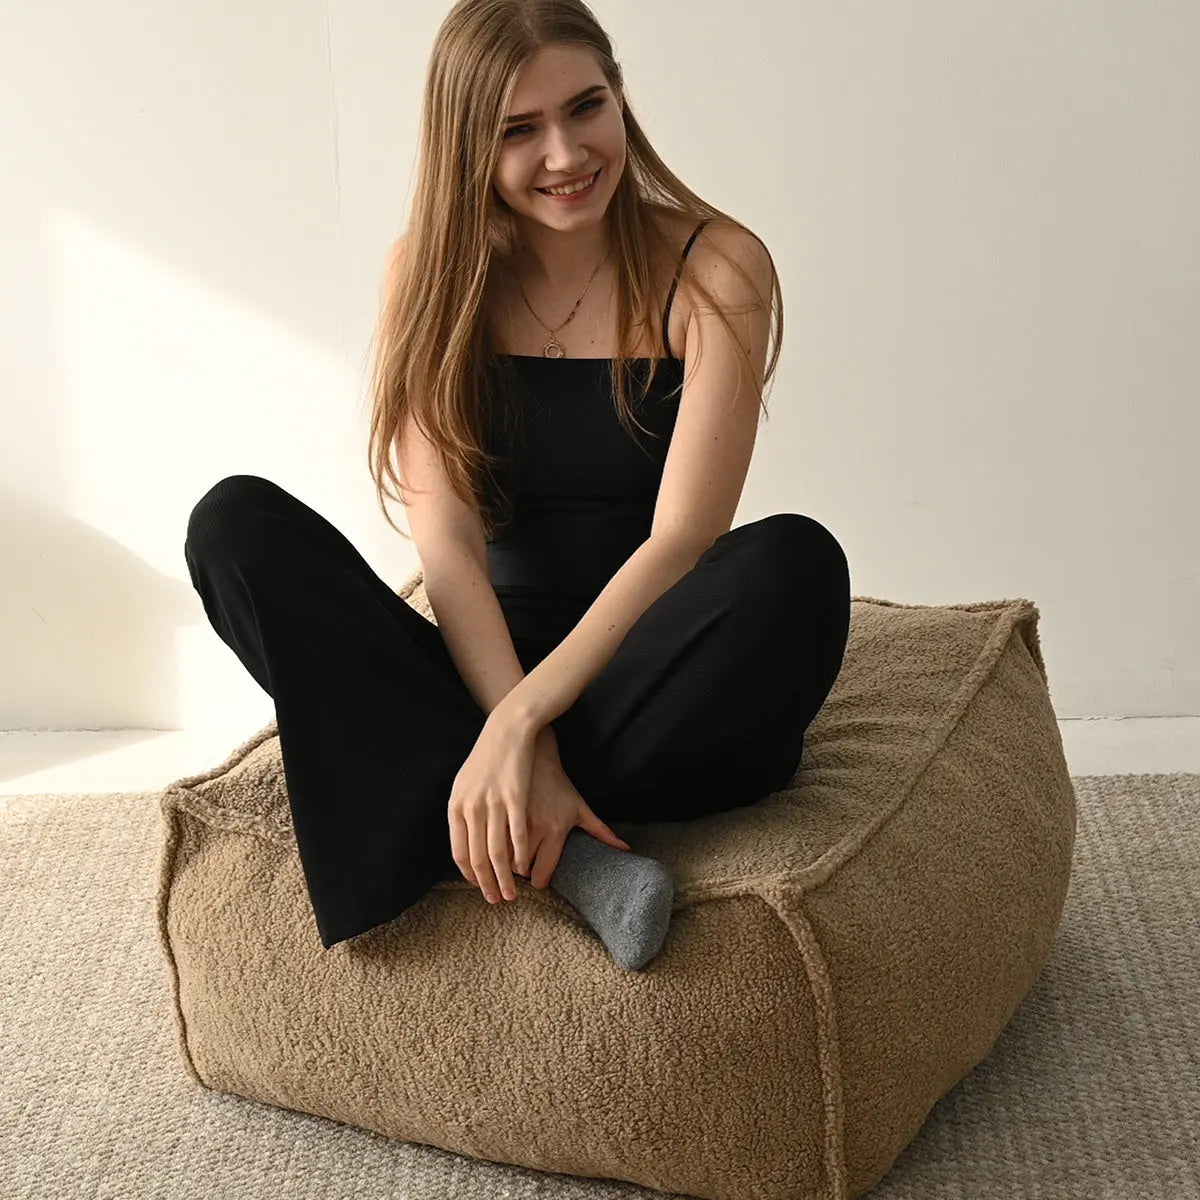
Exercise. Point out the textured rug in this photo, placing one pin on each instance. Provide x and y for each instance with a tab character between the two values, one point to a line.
1092	1091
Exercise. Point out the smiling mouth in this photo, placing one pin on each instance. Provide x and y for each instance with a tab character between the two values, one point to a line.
580	191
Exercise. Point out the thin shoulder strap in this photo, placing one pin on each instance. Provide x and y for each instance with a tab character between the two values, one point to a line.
674	282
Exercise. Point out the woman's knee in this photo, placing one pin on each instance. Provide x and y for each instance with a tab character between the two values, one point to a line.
797	549
227	510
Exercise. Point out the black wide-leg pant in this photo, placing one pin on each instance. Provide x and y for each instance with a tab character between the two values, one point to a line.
702	708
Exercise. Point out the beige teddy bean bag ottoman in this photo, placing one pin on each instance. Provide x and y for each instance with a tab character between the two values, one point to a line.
840	954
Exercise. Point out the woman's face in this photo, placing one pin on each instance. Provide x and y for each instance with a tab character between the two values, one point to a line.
563	143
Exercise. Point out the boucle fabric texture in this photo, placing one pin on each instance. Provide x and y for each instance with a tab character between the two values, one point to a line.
840	954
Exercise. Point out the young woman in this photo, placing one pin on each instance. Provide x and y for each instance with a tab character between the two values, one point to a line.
570	386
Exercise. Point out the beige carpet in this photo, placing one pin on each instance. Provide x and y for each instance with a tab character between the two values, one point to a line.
1092	1092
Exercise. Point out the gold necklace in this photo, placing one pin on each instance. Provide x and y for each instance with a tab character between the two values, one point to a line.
554	348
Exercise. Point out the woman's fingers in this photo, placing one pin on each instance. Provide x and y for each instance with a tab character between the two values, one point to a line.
460	845
520	869
497	840
482	846
481	863
548	854
518	844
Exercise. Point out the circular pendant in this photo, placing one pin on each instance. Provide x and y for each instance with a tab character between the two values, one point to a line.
553	349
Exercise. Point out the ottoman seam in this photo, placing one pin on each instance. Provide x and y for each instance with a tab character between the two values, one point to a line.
788	907
1016	615
183	794
166	875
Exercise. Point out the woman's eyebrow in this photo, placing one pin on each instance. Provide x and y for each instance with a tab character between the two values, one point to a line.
596	87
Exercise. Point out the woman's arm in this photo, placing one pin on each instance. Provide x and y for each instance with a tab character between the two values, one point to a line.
449	537
472	624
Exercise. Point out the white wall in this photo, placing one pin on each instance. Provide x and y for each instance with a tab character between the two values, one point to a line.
984	217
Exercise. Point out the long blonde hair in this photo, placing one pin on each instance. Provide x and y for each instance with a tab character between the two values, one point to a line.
430	348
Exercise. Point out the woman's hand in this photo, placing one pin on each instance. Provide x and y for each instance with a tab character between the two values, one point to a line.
488	804
512	805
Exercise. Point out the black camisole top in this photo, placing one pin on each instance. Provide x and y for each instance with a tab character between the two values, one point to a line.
583	491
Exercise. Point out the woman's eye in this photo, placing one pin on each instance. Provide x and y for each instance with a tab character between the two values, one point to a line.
517	128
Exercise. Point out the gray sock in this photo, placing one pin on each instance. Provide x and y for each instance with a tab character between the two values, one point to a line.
624	897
